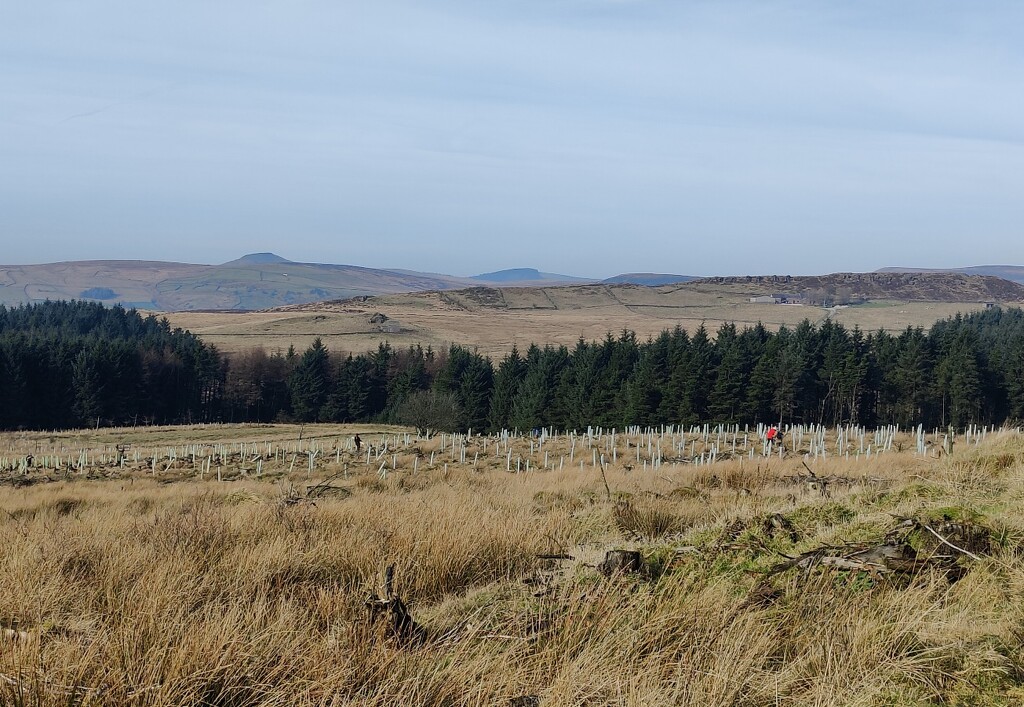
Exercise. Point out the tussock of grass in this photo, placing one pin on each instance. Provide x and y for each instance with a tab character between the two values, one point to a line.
209	593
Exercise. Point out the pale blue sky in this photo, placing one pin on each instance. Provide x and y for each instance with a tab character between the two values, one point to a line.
589	137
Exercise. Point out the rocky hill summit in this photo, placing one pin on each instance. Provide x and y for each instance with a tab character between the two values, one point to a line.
911	286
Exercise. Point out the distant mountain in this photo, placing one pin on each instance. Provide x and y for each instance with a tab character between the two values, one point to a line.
258	259
1014	273
532	276
526	275
257	281
649	279
265	281
133	283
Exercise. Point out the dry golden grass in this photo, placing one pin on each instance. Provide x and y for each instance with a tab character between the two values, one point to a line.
524	316
135	588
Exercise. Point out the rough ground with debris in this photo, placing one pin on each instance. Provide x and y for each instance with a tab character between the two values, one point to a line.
894	580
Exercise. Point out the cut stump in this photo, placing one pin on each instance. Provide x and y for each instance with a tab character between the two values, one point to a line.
621	562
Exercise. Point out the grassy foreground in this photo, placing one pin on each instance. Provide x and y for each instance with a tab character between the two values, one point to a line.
132	591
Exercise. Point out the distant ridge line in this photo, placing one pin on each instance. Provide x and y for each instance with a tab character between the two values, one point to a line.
262	281
920	286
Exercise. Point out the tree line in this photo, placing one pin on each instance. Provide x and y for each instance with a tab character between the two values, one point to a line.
65	364
80	364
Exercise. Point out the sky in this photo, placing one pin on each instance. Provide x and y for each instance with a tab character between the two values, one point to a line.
584	137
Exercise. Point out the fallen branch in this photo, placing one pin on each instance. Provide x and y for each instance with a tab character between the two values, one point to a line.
949	544
604	478
314	490
876	559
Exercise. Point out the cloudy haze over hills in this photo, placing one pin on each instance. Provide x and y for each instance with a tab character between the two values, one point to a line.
593	136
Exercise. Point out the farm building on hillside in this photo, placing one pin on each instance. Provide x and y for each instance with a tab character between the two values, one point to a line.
778	299
790	299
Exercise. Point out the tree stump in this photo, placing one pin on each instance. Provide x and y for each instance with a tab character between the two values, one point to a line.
400	621
525	701
621	562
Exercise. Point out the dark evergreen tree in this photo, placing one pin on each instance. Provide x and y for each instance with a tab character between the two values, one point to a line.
577	398
911	378
410	375
474	393
760	399
88	389
676	406
310	382
357	382
959	380
643	393
531	407
507	380
725	401
699	378
854	381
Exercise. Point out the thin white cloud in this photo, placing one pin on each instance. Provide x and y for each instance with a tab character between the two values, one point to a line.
596	135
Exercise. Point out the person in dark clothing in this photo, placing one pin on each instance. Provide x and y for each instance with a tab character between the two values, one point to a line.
358	442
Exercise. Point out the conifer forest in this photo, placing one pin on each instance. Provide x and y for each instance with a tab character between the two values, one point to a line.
75	364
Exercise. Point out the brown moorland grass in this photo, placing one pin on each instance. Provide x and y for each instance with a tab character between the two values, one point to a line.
557	316
142	588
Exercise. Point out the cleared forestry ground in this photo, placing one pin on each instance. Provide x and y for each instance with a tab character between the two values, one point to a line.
494	320
129	582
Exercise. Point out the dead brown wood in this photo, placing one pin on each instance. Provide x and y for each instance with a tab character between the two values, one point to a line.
621	562
874	559
949	544
390	606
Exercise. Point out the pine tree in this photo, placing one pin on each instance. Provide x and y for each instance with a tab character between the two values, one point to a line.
507	380
643	394
698	380
854	381
725	401
799	361
411	376
576	398
1013	372
474	393
911	377
676	406
87	389
358	376
531	407
959	380
382	360
831	372
760	399
12	383
622	356
310	383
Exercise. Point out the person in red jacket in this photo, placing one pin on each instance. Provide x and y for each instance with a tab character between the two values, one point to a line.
773	436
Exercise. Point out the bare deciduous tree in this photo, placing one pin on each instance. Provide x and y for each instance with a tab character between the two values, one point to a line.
430	411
